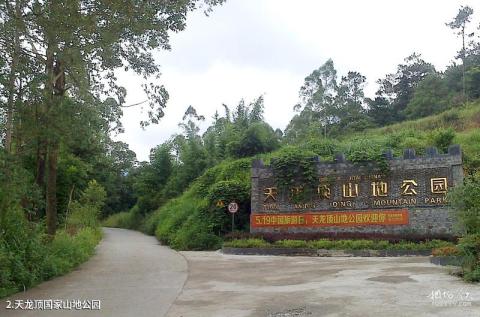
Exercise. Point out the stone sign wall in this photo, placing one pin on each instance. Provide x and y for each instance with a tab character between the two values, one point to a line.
359	197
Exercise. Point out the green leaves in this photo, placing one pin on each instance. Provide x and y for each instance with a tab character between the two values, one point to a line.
465	200
294	168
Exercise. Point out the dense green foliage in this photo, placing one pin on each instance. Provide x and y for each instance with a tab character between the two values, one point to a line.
466	202
29	256
469	247
60	105
338	244
194	220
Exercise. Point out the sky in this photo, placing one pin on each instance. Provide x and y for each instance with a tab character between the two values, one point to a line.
248	48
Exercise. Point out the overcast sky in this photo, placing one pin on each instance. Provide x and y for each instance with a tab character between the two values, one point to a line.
247	48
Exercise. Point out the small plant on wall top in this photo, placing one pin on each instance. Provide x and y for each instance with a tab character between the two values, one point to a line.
365	154
296	174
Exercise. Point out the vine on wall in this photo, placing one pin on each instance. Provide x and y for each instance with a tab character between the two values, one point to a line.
294	170
296	173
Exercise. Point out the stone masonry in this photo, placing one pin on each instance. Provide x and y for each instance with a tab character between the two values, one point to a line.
413	188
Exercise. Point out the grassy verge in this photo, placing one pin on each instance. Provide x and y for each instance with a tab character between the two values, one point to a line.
27	261
339	244
28	256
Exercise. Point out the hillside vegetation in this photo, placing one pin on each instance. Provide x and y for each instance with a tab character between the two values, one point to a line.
192	221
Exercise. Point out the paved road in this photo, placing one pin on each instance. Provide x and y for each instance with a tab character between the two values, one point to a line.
134	276
131	274
267	286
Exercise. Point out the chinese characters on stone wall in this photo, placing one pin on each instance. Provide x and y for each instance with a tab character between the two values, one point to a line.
379	193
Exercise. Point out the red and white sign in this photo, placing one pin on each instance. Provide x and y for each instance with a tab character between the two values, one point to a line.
233	207
331	219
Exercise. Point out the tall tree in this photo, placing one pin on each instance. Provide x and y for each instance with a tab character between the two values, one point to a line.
459	24
349	102
430	97
398	88
79	44
318	93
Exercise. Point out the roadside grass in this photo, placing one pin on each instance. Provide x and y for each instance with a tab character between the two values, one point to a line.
361	244
28	256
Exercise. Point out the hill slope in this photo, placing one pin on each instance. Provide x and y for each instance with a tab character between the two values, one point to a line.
197	218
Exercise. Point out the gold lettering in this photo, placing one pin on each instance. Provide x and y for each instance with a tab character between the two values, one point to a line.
351	218
324	191
301	220
436	200
294	220
408	187
270	192
358	218
350	190
438	185
288	220
381	217
379	189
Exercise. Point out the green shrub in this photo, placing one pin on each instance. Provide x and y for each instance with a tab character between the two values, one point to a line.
321	244
224	192
127	219
22	253
443	138
86	211
356	244
194	234
27	257
173	215
360	244
291	244
67	251
247	243
193	221
151	222
465	200
469	247
82	216
325	148
118	220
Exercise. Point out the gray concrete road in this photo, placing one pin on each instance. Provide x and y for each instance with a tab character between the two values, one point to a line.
131	274
134	276
266	286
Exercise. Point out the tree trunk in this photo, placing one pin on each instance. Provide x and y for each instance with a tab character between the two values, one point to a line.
11	80
52	188
41	161
50	144
9	123
53	97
